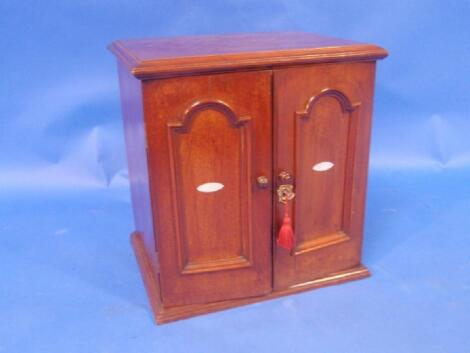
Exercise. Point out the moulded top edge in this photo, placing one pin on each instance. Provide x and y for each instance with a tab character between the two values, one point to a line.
148	58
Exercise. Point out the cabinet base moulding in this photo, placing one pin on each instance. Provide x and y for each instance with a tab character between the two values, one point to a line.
164	315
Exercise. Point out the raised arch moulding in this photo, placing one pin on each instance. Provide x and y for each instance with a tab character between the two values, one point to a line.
205	243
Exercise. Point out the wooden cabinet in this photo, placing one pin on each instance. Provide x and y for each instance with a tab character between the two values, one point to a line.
217	128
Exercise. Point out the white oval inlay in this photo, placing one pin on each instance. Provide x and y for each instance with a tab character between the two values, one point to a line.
210	187
323	166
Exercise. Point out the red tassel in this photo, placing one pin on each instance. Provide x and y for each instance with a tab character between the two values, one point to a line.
285	238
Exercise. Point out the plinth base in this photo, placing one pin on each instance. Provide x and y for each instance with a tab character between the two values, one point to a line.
168	314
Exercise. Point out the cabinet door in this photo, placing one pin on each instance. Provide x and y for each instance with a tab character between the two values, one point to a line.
209	138
322	126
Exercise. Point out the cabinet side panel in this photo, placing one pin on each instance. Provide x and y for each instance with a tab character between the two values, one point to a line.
134	130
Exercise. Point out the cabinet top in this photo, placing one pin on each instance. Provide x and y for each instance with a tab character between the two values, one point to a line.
172	56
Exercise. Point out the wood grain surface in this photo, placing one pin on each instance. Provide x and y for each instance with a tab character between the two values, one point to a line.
157	57
210	122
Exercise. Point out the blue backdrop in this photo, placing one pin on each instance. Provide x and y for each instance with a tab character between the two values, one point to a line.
68	278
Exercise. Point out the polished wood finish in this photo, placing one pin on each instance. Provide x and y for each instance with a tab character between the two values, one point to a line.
213	246
157	57
210	122
322	113
169	314
136	141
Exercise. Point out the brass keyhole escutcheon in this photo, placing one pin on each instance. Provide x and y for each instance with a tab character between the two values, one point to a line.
285	190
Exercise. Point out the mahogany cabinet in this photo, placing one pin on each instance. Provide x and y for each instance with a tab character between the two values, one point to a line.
231	139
